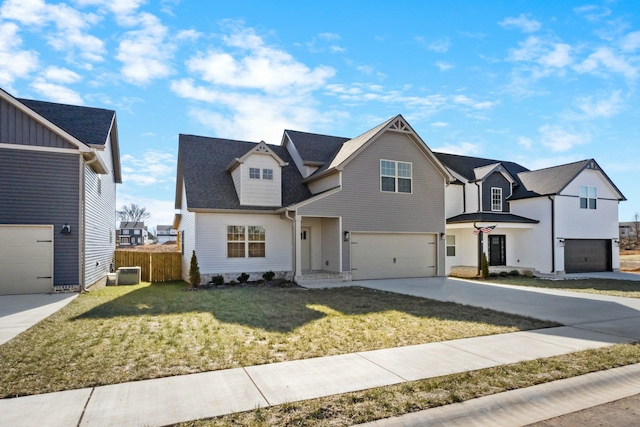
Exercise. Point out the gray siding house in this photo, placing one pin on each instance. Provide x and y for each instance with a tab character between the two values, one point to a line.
316	206
59	166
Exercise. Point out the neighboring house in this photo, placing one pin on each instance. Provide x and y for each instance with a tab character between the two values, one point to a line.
166	233
628	230
562	219
363	208
59	166
133	234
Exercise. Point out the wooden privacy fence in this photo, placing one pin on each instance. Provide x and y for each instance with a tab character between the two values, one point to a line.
154	266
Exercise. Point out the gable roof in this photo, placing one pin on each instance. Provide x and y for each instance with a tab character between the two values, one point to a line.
89	125
201	167
128	225
261	148
467	166
315	148
554	179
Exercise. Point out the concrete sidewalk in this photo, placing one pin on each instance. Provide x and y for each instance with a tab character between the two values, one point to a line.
592	322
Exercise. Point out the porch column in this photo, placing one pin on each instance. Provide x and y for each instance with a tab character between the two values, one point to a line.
297	258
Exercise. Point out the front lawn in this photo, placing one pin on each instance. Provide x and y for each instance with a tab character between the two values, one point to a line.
616	288
127	333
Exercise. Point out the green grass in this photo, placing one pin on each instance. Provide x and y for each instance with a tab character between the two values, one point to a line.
616	288
127	333
385	402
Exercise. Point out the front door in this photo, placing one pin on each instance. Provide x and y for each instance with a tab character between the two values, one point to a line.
305	247
497	250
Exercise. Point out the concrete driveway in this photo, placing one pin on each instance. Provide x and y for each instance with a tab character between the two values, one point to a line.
19	312
597	313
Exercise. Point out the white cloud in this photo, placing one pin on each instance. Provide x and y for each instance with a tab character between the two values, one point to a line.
557	139
144	53
162	211
188	35
464	148
56	93
152	168
439	124
16	63
444	66
522	22
559	57
525	142
606	58
592	12
257	66
440	45
631	42
61	75
592	108
71	26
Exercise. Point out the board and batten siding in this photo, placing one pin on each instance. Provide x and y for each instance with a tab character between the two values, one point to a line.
261	192
18	128
100	217
187	230
495	180
211	244
44	188
363	207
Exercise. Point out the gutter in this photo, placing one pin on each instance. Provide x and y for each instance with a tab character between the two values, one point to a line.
553	235
83	210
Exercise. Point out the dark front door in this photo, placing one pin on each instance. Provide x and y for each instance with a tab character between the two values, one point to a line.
497	250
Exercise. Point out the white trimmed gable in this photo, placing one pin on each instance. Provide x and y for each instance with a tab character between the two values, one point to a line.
591	176
257	177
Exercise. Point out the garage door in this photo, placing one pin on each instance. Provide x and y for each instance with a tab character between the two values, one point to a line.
392	255
26	259
587	255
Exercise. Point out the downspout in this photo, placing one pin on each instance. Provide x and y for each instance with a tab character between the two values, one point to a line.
553	235
294	242
83	208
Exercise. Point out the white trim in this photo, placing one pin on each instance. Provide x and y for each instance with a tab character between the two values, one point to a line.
396	177
312	199
39	148
492	205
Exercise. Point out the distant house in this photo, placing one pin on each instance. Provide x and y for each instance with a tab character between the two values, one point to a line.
133	234
59	166
561	219
343	208
166	233
627	230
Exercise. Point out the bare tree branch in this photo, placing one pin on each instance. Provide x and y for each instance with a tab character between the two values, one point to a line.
133	213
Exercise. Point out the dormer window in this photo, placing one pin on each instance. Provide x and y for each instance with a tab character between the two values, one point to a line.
496	199
254	173
267	174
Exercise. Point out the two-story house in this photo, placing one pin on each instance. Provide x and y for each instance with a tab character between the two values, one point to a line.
59	166
133	233
562	219
357	208
166	233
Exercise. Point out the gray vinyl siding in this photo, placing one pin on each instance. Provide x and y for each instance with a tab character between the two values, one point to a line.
18	128
363	207
43	188
496	179
100	220
331	239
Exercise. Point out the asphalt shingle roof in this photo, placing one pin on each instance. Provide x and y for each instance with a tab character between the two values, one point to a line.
203	160
551	180
89	125
314	147
466	165
490	217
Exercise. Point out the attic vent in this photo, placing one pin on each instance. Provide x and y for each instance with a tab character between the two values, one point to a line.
592	165
400	126
262	148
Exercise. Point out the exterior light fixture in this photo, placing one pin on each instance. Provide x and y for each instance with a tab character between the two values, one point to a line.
346	236
66	229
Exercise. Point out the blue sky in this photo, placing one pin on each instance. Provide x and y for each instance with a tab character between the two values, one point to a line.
540	83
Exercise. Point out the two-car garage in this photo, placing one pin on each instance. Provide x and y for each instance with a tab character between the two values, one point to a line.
26	259
393	255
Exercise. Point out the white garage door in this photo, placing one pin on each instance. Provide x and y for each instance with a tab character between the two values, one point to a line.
26	259
392	255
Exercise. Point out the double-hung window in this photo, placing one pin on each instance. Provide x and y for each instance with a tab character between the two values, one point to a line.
254	173
395	177
496	199
267	174
451	245
588	197
246	241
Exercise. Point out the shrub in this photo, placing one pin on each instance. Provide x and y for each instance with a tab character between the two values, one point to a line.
484	265
514	273
194	271
243	278
233	283
269	275
503	274
217	280
528	273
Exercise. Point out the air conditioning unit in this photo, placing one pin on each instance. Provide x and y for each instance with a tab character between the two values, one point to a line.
128	276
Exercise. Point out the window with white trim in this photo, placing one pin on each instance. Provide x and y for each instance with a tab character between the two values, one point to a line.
395	177
496	199
125	231
588	197
267	174
254	173
246	241
451	245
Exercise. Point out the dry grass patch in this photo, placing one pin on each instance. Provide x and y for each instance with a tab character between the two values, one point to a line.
127	333
385	402
616	288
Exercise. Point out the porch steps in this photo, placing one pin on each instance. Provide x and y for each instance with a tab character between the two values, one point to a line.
323	279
